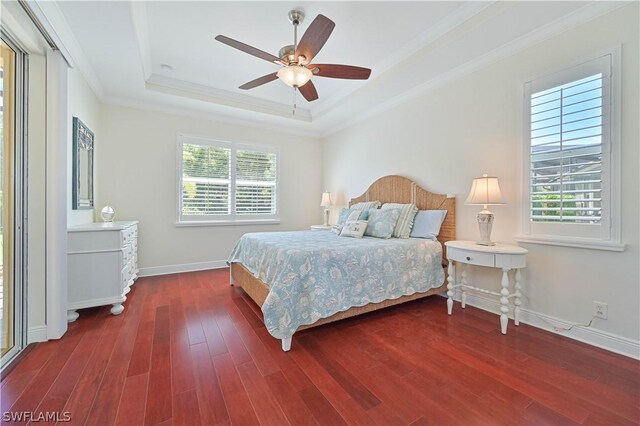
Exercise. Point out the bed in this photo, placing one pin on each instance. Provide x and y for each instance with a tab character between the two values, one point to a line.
317	277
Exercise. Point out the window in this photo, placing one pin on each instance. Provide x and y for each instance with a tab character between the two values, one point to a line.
571	170
226	182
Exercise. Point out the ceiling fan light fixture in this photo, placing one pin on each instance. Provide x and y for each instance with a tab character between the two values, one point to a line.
294	75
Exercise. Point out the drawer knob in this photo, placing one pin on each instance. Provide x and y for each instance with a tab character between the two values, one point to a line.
468	258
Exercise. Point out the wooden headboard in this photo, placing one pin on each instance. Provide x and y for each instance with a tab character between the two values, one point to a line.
399	189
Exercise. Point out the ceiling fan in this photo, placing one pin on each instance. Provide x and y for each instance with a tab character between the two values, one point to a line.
295	60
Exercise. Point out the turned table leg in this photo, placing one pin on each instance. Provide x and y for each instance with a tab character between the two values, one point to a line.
451	272
463	283
504	301
516	301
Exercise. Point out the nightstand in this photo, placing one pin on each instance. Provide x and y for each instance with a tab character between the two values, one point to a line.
321	227
501	256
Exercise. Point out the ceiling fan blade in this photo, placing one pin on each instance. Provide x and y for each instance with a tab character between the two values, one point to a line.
315	37
259	81
309	91
340	71
247	49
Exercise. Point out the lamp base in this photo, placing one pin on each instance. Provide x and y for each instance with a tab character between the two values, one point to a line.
326	217
485	223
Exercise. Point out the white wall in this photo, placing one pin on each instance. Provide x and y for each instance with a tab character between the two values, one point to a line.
472	126
83	104
137	176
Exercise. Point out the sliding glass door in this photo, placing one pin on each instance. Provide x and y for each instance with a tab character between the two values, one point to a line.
12	66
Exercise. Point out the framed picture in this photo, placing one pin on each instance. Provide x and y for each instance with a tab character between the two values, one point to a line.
83	144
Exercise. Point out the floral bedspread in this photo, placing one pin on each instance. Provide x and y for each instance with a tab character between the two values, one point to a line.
314	274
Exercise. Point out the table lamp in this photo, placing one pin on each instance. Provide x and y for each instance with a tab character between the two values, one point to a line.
485	191
326	202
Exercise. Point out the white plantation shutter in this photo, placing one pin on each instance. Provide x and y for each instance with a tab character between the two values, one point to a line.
255	182
571	190
224	181
206	180
566	152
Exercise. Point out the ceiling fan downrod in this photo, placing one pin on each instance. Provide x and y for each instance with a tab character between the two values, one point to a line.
296	17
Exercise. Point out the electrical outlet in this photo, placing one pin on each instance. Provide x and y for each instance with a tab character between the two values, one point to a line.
600	310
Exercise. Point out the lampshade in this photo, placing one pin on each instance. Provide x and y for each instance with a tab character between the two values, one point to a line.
294	75
326	199
485	190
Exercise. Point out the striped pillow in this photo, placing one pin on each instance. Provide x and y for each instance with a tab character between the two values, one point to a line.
367	205
405	221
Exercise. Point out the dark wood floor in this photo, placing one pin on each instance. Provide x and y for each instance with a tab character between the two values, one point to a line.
191	350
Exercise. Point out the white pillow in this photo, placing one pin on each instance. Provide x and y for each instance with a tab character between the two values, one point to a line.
349	215
354	228
427	224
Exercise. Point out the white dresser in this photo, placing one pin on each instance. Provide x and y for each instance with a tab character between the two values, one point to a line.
102	261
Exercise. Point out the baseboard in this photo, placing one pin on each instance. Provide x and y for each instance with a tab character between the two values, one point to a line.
184	267
599	338
37	334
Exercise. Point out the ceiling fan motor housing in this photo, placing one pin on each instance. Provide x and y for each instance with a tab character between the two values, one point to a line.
287	53
296	17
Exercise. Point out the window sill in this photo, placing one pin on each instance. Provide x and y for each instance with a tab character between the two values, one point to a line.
584	243
227	222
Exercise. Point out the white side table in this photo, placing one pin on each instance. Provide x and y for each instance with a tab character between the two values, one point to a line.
320	227
502	256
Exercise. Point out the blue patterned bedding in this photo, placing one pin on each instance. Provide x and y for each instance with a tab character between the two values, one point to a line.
315	274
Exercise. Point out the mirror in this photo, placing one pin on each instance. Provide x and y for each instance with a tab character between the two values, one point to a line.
83	140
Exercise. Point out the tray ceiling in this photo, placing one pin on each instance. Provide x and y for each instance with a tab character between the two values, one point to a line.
164	53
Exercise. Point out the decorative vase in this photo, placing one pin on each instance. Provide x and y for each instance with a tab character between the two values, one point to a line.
107	213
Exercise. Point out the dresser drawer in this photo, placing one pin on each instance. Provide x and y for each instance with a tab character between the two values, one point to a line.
471	258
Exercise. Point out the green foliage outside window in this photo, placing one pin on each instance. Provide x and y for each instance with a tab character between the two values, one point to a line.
552	201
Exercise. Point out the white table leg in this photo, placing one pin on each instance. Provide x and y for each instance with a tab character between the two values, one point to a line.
463	282
516	301
451	271
504	301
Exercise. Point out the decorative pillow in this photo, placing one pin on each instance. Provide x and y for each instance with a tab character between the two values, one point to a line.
354	228
367	205
346	215
382	222
405	222
427	224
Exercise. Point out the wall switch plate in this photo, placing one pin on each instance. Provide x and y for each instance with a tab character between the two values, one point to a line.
600	310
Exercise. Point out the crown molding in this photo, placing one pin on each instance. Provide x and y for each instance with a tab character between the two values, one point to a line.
223	97
452	21
208	116
327	118
55	24
581	16
138	12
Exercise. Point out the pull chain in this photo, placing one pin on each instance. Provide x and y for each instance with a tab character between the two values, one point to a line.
293	112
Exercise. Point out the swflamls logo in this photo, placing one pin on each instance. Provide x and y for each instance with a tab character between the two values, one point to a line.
30	416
